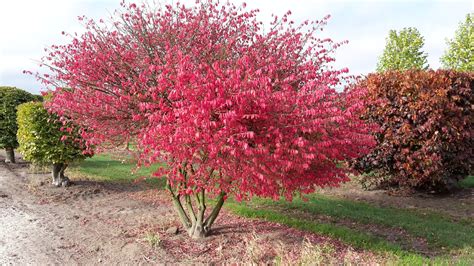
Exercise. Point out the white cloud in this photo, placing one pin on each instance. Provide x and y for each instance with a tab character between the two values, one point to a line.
28	26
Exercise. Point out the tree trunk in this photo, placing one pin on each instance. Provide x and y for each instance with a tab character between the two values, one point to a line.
197	229
59	179
10	152
193	222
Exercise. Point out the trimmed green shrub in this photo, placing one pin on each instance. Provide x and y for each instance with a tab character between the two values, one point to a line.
426	118
45	140
10	98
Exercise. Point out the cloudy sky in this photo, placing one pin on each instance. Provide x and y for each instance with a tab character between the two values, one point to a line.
28	26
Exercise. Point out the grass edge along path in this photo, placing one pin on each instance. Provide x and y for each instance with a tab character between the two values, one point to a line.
440	231
396	255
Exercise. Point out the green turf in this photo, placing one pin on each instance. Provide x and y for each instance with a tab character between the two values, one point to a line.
439	231
105	168
456	239
355	238
467	182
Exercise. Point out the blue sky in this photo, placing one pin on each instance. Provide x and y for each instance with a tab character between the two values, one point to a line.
28	26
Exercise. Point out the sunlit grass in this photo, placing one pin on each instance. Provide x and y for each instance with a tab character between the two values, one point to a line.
448	237
105	168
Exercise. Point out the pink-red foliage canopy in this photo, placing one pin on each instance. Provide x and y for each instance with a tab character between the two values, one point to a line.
228	106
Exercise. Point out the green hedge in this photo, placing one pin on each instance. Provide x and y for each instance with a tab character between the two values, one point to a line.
10	98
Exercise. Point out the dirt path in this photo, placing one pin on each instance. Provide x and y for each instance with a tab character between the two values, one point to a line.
81	224
107	223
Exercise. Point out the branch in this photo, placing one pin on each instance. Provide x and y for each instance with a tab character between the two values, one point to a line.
179	207
189	206
215	212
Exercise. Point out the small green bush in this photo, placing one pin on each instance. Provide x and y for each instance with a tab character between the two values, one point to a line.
45	140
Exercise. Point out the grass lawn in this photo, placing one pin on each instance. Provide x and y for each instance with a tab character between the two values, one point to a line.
447	238
467	182
352	222
104	167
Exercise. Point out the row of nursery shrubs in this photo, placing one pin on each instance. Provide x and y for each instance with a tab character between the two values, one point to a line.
426	129
41	137
425	139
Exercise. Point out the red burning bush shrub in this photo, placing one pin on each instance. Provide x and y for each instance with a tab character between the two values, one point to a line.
231	109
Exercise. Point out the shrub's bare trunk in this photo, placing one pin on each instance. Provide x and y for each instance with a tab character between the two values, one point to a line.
59	179
194	221
10	155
